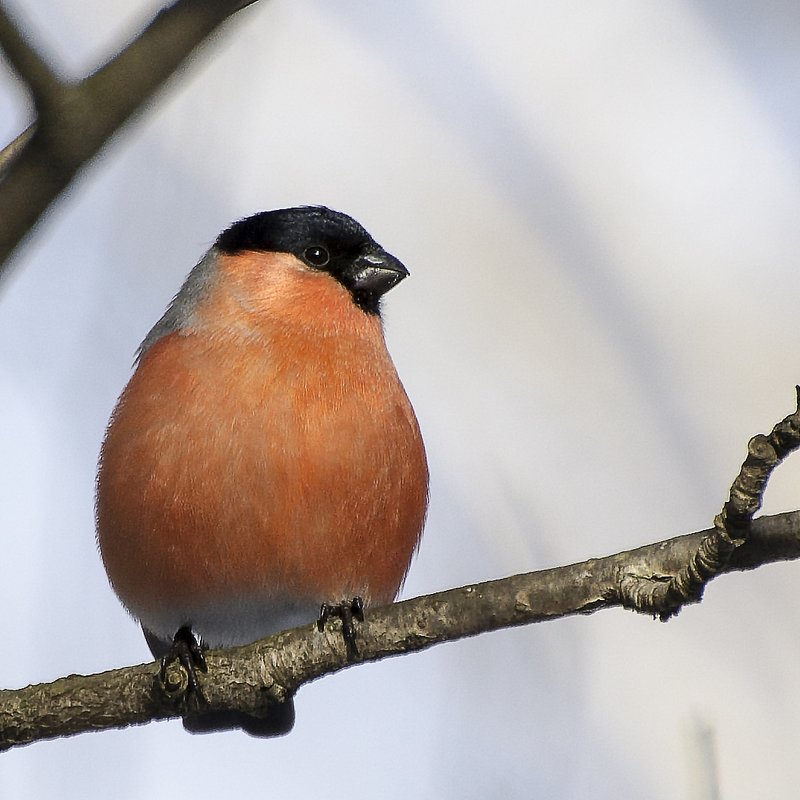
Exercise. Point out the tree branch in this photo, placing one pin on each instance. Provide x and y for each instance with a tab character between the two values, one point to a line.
657	579
250	678
27	63
9	154
731	529
76	120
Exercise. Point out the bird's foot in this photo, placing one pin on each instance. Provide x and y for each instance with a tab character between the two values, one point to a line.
346	611
183	659
186	652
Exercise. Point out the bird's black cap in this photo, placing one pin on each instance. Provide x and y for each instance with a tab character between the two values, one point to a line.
325	240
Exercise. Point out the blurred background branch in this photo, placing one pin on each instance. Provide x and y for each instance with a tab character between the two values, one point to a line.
75	120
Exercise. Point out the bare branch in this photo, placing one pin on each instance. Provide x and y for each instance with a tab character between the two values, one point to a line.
731	529
27	63
10	153
249	678
78	119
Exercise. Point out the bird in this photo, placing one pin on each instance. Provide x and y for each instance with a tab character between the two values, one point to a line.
264	457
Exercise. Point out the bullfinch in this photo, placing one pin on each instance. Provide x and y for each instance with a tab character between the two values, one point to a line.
264	457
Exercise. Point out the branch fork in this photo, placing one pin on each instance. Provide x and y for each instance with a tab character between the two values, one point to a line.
663	595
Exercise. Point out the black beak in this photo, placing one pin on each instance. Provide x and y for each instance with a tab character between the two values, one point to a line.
373	274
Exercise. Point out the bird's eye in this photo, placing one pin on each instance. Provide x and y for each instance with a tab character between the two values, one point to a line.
317	256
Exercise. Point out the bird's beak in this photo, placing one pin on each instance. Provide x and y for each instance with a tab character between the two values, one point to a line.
375	273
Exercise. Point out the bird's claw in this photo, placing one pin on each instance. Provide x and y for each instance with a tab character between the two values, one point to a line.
346	611
186	651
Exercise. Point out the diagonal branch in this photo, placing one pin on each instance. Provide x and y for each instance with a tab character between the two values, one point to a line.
78	119
27	63
732	526
251	677
10	153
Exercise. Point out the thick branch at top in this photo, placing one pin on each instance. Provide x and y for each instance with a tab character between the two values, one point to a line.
76	120
27	63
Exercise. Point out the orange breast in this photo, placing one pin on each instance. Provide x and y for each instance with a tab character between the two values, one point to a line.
258	454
